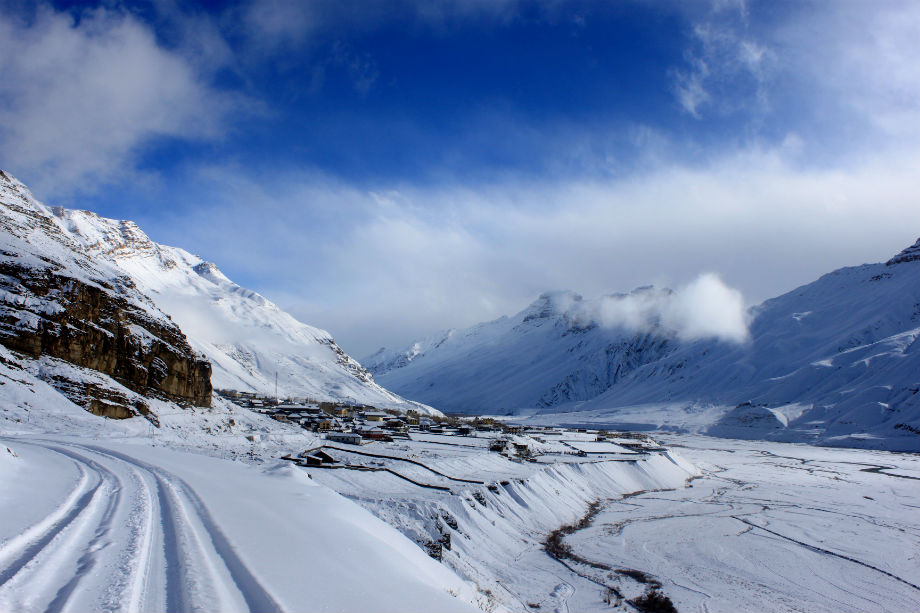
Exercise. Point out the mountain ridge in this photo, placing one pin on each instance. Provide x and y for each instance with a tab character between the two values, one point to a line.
835	361
245	336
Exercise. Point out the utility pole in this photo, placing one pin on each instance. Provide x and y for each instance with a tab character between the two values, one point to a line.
276	387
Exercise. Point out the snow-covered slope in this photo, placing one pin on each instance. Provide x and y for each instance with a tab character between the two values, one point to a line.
246	337
547	354
836	361
153	529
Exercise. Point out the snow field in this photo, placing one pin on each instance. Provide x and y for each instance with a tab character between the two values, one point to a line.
143	528
771	527
103	514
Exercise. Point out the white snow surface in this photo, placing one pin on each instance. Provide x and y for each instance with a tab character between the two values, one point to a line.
122	526
833	362
495	523
767	527
198	514
246	337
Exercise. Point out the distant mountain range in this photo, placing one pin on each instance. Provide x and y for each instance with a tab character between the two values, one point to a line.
56	263
833	362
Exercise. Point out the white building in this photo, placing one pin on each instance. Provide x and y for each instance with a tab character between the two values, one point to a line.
352	438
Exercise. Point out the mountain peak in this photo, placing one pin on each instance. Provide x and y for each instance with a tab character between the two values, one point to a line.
211	272
911	254
551	303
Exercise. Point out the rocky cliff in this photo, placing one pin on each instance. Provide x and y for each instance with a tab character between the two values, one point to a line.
56	301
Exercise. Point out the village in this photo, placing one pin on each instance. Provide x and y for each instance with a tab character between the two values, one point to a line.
360	424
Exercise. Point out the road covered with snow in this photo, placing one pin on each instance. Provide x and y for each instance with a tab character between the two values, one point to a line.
768	527
93	525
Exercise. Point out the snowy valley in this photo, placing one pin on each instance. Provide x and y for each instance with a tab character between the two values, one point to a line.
127	484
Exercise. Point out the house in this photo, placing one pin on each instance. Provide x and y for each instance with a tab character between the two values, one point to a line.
377	416
298	408
340	411
376	434
498	445
395	424
352	438
425	423
319	453
521	449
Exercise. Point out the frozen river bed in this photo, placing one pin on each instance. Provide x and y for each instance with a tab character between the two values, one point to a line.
768	527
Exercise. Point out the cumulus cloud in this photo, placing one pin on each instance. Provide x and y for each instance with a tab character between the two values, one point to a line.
79	97
704	308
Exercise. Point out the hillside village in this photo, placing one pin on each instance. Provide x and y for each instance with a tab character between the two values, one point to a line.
358	424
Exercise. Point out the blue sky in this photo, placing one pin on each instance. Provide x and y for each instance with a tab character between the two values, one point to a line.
388	169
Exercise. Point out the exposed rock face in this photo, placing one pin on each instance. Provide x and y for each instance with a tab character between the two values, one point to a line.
55	301
602	369
911	254
91	326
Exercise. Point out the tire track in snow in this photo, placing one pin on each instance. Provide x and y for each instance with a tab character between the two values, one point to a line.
88	560
133	556
171	492
177	585
135	564
140	553
35	540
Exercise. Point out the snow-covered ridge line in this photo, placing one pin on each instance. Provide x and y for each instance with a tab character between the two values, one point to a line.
56	300
246	337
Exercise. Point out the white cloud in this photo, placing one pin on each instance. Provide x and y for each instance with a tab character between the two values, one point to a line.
398	263
726	69
272	24
79	98
704	308
865	69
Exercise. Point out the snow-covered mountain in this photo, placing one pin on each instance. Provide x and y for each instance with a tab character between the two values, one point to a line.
547	354
246	338
836	361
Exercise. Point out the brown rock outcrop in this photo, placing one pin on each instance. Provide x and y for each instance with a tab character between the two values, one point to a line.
93	326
